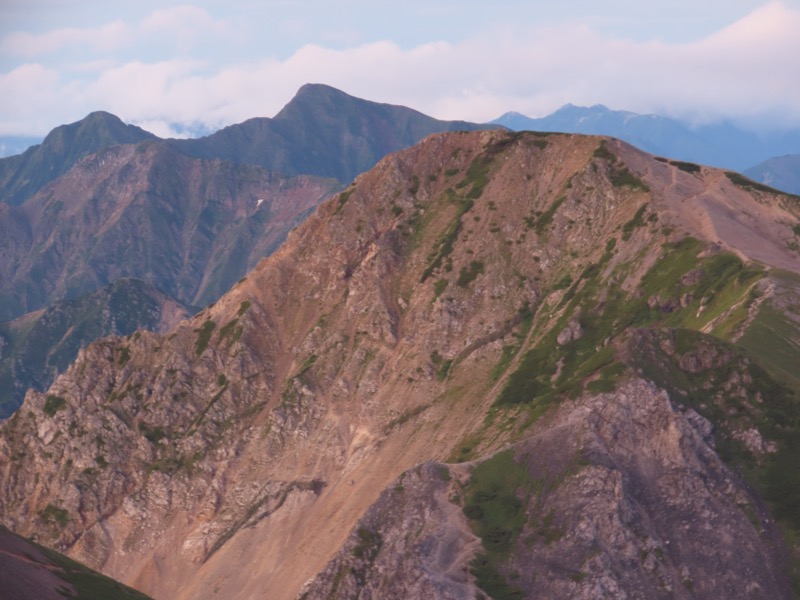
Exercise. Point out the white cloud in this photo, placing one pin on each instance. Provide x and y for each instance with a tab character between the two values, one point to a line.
26	97
106	38
186	25
747	69
178	27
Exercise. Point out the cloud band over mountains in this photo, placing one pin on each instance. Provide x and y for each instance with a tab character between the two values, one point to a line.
183	69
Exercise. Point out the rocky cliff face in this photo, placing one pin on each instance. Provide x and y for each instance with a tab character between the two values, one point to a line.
513	306
616	496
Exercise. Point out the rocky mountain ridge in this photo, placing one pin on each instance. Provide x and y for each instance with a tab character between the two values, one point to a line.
477	300
98	200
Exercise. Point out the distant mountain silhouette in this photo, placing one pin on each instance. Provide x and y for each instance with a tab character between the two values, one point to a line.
721	145
321	131
781	172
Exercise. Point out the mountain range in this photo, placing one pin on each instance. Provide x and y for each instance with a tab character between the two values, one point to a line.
100	200
506	365
721	144
302	138
782	172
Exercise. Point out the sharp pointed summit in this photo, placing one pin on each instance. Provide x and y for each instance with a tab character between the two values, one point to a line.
322	131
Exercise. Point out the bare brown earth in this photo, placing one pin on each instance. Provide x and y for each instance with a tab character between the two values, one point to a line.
711	207
241	458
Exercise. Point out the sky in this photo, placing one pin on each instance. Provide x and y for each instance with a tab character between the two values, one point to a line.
180	68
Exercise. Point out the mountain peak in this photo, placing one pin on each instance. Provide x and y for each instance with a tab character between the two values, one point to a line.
316	99
570	109
321	119
317	89
99	129
101	116
22	176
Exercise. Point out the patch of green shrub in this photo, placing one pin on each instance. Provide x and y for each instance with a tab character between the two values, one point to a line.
546	217
603	152
369	544
749	184
53	404
231	330
124	356
563	283
343	198
491	581
497	515
414	185
442	365
439	287
444	245
636	222
203	336
622	177
469	274
54	515
153	434
686	166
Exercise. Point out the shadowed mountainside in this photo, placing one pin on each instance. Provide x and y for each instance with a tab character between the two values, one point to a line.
37	346
322	131
189	227
29	571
